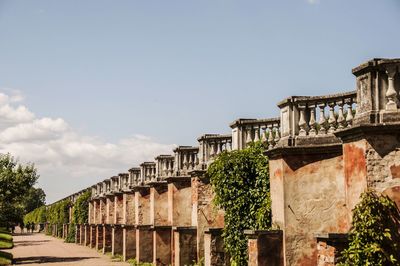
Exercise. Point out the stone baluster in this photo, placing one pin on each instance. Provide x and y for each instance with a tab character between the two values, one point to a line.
217	144
332	118
185	160
341	120
190	163
229	145
196	159
312	122
322	119
256	133
391	94
349	116
277	134
270	136
211	148
302	120
264	134
248	133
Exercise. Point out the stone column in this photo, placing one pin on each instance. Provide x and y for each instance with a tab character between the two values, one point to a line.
159	219
129	242
99	237
214	251
144	243
87	235
107	238
117	239
93	236
185	246
265	248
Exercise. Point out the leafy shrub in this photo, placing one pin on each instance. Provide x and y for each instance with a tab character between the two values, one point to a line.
375	233
80	211
240	181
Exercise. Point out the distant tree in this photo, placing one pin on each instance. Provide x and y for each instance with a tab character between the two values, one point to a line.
34	198
16	180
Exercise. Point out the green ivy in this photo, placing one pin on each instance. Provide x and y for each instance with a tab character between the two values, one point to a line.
37	216
80	211
240	180
375	233
71	234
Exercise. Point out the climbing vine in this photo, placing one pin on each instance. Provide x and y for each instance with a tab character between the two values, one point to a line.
240	181
80	210
37	216
375	233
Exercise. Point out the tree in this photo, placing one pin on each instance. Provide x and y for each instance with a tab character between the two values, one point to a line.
240	181
375	233
15	181
34	198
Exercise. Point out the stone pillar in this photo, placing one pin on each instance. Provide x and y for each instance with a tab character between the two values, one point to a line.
99	237
129	242
265	248
144	243
107	238
87	237
185	248
214	251
93	236
312	174
179	201
162	250
204	213
110	210
117	239
329	247
159	219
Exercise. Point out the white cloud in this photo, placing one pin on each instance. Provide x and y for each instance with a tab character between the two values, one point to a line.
313	2
66	160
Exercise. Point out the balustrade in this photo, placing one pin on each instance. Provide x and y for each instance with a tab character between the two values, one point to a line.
299	114
124	181
186	159
148	172
245	131
164	166
210	145
115	184
134	176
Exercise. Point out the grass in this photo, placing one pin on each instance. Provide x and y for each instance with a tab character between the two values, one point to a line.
5	258
134	262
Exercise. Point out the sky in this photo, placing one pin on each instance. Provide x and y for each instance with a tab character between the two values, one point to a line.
91	88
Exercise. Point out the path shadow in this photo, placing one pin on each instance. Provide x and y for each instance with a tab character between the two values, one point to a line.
29	243
48	259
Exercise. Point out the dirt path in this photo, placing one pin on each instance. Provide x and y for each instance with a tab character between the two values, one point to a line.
39	249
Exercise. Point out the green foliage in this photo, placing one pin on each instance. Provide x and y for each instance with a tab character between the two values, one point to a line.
37	216
240	180
71	234
134	262
6	240
375	233
16	180
80	210
58	213
5	258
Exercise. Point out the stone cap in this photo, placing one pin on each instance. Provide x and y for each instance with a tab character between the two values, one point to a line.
214	137
332	237
257	233
148	163
373	65
114	177
322	98
161	227
186	148
164	156
134	169
144	226
251	121
213	231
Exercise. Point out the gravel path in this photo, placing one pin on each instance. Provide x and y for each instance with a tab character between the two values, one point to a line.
39	249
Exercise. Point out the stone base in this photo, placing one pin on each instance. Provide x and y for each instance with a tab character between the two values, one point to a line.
265	248
144	243
128	242
107	238
329	248
117	239
214	251
162	250
185	246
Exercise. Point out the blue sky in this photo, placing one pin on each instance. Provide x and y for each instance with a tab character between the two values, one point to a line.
166	72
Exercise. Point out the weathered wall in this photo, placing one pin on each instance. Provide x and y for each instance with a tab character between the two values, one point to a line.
129	208
179	203
110	210
308	196
118	209
159	204
142	206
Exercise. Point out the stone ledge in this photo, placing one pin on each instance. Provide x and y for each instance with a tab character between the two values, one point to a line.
144	226
184	228
256	233
128	226
213	231
162	227
359	131
332	237
304	150
172	179
157	183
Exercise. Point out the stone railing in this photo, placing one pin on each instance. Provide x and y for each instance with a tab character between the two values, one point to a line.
312	116
148	172
107	187
134	176
210	145
186	159
164	166
245	131
124	181
115	184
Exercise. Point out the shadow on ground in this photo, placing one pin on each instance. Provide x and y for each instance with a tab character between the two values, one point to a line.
29	243
47	259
